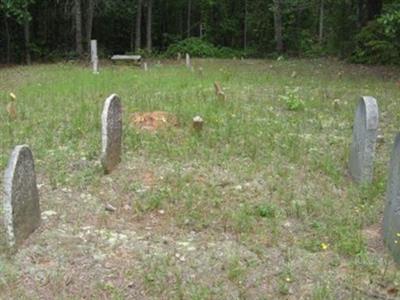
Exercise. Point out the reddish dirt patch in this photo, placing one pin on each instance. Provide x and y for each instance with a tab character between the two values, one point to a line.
149	179
153	121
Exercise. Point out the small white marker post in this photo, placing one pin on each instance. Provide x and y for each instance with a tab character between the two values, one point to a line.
94	57
145	67
188	60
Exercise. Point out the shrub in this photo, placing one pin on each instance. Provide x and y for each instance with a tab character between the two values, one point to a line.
379	41
197	47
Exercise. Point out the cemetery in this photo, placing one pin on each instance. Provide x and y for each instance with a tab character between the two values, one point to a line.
131	184
199	150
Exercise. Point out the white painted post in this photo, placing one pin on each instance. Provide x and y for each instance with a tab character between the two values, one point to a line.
188	60
94	57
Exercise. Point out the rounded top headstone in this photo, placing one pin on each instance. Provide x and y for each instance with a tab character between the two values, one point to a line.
371	110
21	202
365	132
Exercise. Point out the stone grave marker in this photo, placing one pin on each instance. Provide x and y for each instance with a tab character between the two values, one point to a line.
21	197
93	56
391	217
365	131
111	134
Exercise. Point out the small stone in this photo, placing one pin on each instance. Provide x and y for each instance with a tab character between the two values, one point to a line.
238	187
110	208
336	104
48	213
198	123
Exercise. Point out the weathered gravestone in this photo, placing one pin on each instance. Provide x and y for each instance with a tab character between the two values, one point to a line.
391	218
111	119
365	132
21	201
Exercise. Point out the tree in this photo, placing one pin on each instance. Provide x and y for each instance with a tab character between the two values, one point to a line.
138	25
19	9
278	25
89	22
78	27
188	18
149	25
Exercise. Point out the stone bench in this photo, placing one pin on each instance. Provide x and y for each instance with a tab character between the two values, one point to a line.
135	58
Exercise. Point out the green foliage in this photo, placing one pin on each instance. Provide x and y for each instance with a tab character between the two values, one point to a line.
379	41
197	47
17	8
293	100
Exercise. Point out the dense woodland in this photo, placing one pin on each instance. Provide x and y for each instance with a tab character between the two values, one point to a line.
364	31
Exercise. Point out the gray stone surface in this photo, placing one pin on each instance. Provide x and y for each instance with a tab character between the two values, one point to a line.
365	132
21	201
111	119
391	218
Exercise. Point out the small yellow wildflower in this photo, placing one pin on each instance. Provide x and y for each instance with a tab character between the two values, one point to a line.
398	234
13	97
324	246
288	279
396	241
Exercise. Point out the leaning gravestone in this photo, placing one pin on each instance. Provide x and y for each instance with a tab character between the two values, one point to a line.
391	218
111	119
21	202
365	132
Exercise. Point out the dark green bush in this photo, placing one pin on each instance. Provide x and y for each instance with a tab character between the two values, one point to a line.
379	41
197	47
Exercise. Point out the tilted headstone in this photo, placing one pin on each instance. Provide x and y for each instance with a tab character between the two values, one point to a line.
365	132
21	201
188	60
391	218
93	56
111	129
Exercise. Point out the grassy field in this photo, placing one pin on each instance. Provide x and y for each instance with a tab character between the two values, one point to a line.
258	206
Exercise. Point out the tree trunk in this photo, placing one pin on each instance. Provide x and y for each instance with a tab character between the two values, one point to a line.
149	20
360	13
278	25
374	9
78	27
321	22
89	22
27	36
245	26
189	14
8	40
138	26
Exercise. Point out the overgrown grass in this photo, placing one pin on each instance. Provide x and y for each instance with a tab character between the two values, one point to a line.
269	169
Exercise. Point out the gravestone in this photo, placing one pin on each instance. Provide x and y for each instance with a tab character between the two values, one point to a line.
93	56
188	61
391	218
111	119
21	201
365	131
145	67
